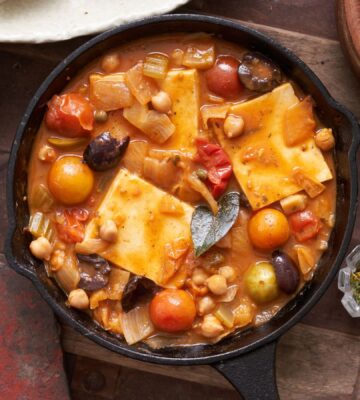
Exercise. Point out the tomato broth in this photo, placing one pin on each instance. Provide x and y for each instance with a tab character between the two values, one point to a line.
181	187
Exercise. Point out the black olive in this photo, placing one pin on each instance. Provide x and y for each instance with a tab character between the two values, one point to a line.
258	73
136	290
104	152
287	274
94	272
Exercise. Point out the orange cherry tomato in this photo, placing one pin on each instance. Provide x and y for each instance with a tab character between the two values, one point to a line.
268	229
70	115
305	225
223	78
172	310
70	180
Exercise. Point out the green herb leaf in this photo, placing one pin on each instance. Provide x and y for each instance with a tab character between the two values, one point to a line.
207	228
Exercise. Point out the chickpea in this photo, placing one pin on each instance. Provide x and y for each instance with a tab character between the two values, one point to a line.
57	259
110	62
228	273
100	116
217	284
205	305
47	154
108	231
41	248
211	326
324	139
234	126
199	276
161	102
78	299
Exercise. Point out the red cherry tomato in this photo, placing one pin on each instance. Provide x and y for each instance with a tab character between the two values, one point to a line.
172	310
223	78
70	115
305	225
217	163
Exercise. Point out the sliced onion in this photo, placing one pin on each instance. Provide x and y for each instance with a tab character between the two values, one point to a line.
200	58
110	92
136	324
133	159
91	246
141	87
201	188
214	112
161	172
225	314
158	127
229	295
68	275
118	279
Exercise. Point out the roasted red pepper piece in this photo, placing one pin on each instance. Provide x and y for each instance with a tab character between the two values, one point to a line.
305	225
69	224
70	115
217	163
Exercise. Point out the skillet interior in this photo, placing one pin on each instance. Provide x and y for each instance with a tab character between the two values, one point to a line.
333	115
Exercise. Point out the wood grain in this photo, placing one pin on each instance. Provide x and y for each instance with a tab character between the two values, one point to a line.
315	17
312	363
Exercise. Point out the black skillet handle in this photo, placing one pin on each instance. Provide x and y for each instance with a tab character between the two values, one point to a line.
253	374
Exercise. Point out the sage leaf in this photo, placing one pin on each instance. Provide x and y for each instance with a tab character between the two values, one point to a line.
207	228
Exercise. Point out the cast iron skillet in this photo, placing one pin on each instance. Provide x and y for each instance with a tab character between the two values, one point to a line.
247	358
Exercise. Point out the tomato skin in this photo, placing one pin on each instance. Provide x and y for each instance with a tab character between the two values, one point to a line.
305	225
268	229
69	224
70	115
223	78
217	163
172	310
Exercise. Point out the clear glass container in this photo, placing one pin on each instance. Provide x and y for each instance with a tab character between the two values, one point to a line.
352	265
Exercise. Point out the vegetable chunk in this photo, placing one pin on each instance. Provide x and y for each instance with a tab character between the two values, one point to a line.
143	230
262	162
184	90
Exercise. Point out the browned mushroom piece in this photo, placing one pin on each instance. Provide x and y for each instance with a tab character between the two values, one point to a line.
258	73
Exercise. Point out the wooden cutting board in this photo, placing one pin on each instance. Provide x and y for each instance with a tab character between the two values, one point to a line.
348	21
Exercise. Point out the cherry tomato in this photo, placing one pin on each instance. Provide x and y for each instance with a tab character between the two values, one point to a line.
70	115
268	229
217	163
70	180
305	225
69	224
172	310
223	78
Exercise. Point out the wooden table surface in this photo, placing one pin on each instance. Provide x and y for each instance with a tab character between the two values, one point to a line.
317	359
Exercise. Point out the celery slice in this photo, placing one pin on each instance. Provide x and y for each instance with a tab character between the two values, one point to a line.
156	66
42	199
40	225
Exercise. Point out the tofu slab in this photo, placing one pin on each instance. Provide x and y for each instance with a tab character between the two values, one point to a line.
184	90
143	229
262	162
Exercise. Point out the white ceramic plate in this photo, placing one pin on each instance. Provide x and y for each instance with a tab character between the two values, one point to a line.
39	21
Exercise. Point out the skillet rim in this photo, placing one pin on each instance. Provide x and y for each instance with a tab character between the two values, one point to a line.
121	347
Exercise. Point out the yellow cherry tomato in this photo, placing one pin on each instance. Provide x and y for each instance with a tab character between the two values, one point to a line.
268	229
260	282
70	180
